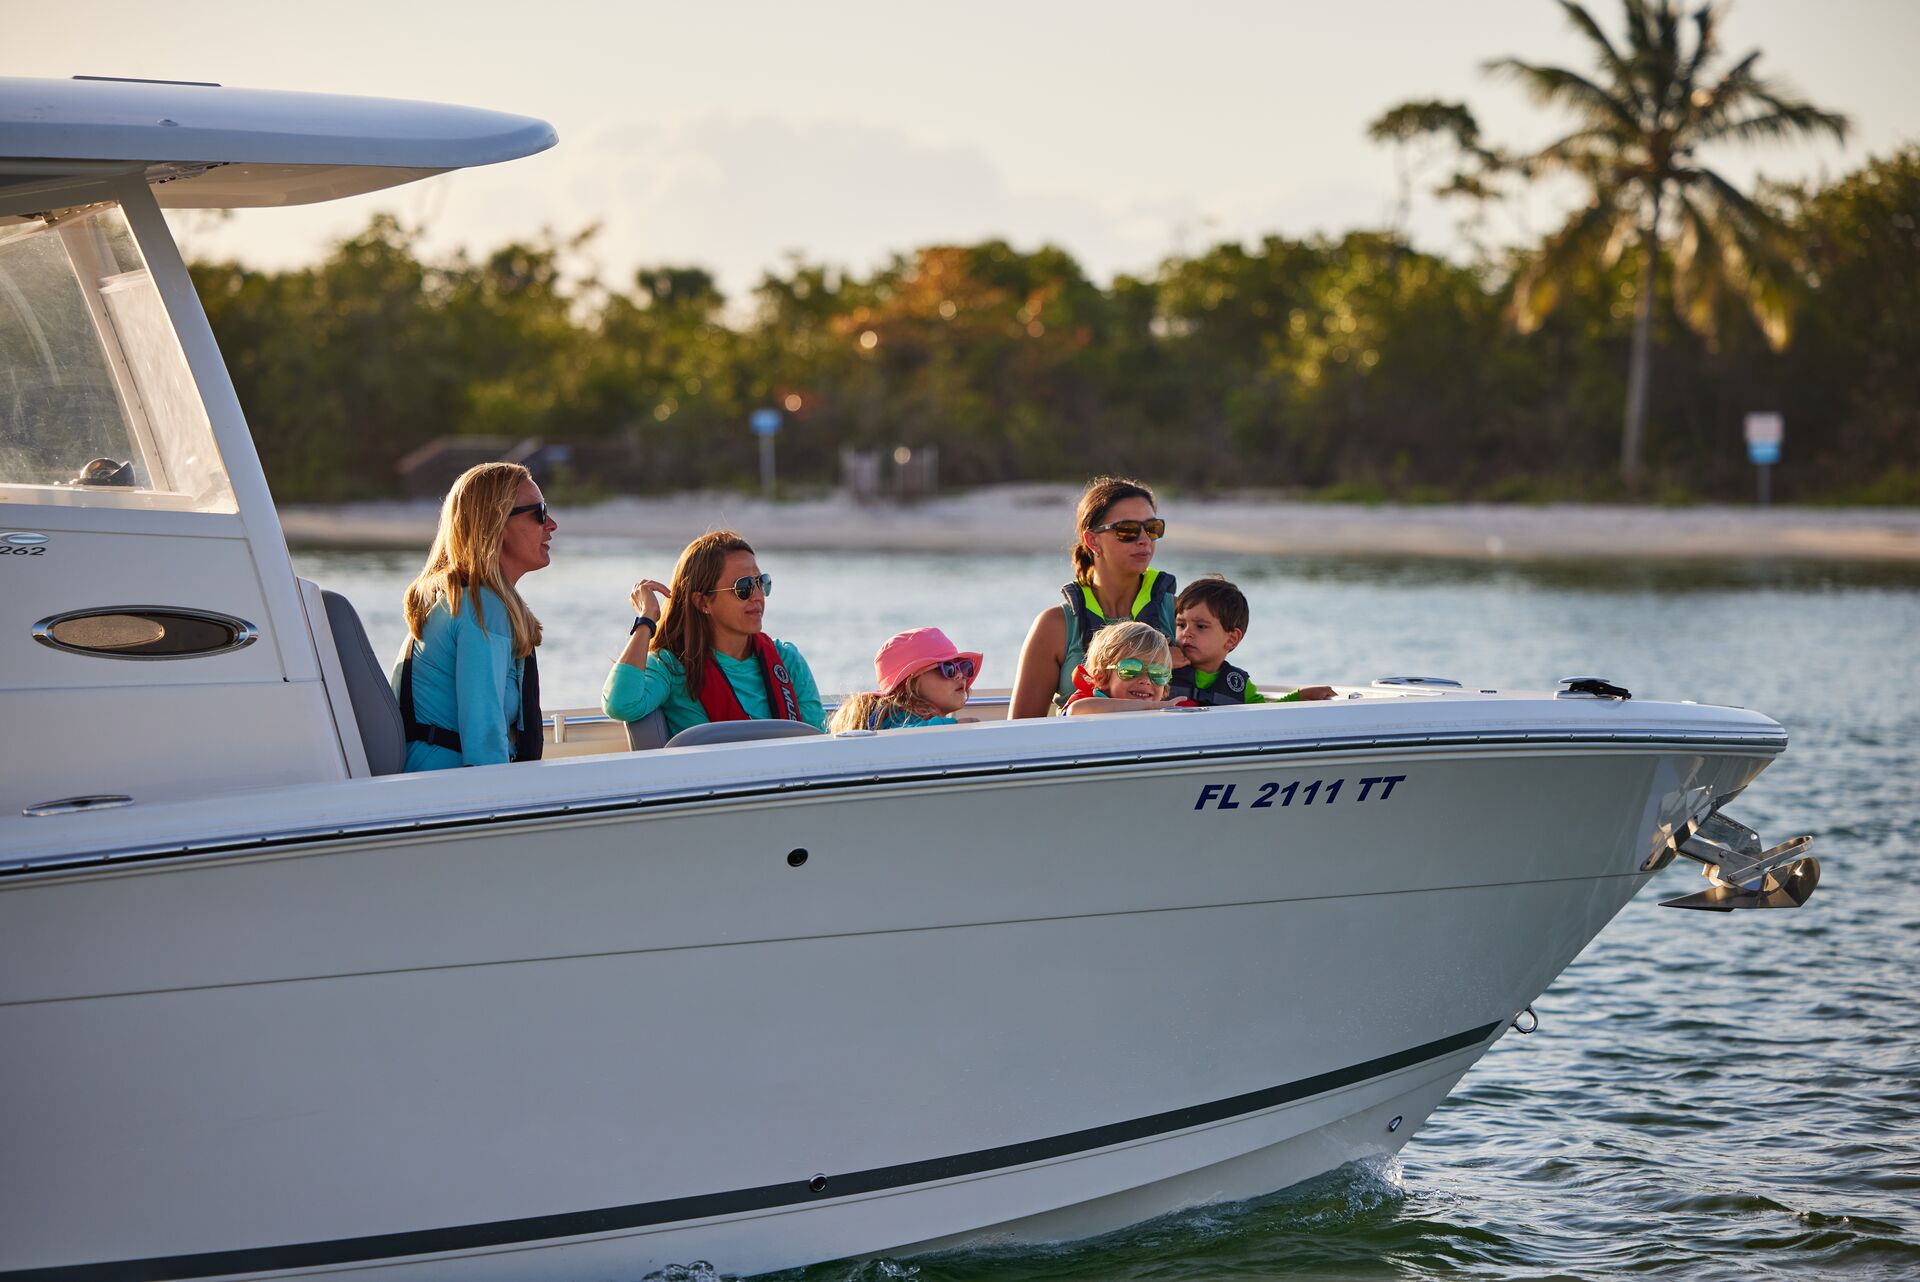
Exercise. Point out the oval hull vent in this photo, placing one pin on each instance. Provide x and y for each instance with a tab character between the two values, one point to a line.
144	632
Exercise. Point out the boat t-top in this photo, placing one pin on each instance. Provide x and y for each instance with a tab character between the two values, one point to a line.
268	1007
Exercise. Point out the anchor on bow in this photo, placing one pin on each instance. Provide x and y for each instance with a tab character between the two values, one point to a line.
1744	875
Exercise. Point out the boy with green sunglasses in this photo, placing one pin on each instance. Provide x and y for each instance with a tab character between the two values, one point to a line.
1127	670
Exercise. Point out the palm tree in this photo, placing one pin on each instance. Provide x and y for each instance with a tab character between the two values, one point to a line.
1640	124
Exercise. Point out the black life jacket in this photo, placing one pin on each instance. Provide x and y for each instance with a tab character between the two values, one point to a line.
528	741
1230	685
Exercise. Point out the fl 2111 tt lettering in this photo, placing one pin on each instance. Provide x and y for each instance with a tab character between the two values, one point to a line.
1272	796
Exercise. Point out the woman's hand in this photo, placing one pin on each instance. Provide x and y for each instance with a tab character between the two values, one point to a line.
646	596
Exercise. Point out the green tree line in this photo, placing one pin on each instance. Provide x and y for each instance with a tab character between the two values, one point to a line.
1350	367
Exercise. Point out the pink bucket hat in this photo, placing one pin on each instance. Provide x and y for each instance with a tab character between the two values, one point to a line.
908	654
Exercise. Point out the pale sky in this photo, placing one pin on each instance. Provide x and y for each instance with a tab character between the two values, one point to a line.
728	134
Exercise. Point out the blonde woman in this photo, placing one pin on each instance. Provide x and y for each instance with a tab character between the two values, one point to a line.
1128	668
707	656
467	680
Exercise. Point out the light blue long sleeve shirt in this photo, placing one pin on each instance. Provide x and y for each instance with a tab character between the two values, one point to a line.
631	693
467	680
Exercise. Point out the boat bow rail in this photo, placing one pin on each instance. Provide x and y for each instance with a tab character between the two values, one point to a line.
299	815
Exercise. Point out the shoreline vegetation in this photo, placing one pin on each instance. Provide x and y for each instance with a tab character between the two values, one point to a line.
1616	359
1355	368
1036	518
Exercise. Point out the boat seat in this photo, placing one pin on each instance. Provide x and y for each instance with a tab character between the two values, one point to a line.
374	707
740	732
649	731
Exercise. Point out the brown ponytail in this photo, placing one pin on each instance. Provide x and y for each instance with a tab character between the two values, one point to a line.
1101	494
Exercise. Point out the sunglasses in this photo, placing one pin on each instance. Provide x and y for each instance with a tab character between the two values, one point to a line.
743	586
539	511
1130	670
1129	531
951	668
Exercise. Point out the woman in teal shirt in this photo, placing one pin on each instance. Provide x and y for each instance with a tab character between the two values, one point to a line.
467	680
708	657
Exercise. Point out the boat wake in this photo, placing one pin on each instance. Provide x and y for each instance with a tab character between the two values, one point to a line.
1351	1203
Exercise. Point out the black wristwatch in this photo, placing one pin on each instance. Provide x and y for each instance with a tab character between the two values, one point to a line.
652	627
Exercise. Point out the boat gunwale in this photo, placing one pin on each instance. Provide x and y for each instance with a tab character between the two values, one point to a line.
292	838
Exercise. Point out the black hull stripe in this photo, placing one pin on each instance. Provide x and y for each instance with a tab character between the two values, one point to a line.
539	1228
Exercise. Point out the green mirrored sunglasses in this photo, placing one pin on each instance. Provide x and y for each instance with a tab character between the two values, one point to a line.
1130	670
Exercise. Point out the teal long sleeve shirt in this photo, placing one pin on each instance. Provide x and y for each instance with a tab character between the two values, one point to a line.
631	693
465	679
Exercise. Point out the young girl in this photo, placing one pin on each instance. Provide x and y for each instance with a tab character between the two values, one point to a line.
1127	670
924	679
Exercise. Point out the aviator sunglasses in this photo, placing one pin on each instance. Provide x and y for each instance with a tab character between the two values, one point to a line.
1130	670
1129	531
539	511
743	586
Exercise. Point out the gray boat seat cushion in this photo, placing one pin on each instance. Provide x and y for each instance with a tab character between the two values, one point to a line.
739	732
374	706
649	731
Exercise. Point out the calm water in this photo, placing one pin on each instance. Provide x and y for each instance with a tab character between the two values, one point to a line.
1708	1096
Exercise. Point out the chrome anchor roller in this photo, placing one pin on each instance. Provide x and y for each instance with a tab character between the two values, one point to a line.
1743	875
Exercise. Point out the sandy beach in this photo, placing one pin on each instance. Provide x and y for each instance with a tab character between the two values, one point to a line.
1038	517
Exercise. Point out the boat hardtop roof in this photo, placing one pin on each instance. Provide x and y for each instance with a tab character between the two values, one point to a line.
206	146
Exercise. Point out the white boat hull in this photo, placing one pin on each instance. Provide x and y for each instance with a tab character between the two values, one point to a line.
1016	1008
767	1004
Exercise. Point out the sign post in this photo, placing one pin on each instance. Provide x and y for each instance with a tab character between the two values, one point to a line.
1764	434
766	425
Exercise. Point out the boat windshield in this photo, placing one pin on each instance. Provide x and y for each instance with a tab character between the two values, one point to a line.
98	406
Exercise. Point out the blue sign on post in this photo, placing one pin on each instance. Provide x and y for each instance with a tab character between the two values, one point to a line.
766	425
1764	432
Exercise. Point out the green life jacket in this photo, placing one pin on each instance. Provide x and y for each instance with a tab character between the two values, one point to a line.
1152	605
1230	685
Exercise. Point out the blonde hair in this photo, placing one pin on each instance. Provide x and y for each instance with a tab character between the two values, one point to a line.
686	631
466	554
1119	641
860	711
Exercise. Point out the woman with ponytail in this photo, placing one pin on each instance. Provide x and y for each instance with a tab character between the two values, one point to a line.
467	679
1117	529
706	656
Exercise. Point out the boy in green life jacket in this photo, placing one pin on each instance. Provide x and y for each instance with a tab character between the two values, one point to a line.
1209	619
